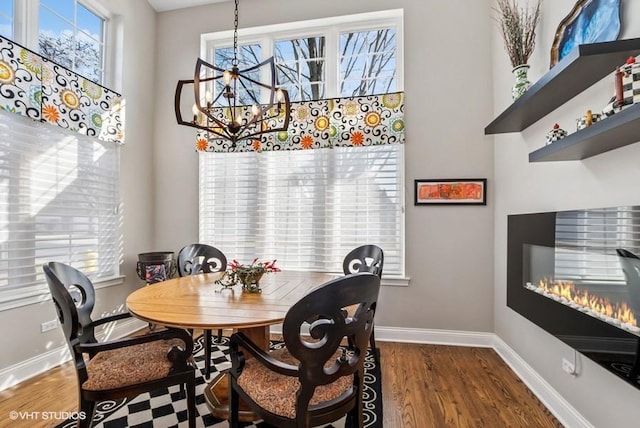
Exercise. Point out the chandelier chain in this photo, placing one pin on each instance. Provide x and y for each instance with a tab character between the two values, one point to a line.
235	37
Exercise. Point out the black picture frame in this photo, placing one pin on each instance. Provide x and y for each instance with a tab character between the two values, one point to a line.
450	191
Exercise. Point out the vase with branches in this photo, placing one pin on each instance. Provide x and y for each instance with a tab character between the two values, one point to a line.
518	27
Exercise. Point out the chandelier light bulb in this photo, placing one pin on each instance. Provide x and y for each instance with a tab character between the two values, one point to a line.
208	97
226	77
255	111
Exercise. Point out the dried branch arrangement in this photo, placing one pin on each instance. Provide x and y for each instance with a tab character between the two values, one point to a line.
518	27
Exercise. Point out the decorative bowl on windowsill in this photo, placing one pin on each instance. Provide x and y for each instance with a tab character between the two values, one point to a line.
247	275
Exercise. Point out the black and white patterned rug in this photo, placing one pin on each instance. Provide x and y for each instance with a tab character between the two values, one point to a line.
165	408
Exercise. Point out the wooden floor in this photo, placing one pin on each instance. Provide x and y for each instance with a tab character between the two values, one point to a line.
424	386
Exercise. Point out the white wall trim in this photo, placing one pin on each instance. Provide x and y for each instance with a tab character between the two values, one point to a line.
27	369
561	409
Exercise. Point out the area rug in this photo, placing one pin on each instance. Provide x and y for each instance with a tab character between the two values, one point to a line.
165	408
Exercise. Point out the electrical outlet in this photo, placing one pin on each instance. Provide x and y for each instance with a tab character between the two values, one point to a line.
49	325
568	367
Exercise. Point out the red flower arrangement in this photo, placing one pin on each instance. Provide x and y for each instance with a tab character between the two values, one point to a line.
247	275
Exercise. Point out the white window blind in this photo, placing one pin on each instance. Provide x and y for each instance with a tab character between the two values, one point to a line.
306	208
586	242
58	202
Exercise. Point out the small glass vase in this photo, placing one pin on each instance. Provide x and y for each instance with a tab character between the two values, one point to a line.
522	81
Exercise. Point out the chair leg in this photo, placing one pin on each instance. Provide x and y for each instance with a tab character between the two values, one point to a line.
191	402
219	335
372	344
234	404
87	409
207	353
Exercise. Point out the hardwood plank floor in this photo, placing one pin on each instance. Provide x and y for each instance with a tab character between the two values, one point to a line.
424	386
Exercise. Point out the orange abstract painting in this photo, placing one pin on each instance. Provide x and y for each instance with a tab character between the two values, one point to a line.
450	191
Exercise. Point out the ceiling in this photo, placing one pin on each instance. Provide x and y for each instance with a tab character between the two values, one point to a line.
163	5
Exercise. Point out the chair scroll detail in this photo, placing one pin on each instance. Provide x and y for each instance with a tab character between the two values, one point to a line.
118	368
196	259
365	258
313	380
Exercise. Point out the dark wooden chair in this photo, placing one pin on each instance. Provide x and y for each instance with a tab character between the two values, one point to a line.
313	380
118	368
366	258
195	259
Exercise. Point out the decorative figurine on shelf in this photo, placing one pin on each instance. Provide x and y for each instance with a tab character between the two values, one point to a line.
587	120
627	84
518	27
556	134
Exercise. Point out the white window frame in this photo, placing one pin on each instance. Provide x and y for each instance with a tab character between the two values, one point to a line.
25	32
330	28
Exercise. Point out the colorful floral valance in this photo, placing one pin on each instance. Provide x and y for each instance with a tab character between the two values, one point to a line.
337	122
33	86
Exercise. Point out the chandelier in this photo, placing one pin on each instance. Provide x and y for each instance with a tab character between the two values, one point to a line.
230	104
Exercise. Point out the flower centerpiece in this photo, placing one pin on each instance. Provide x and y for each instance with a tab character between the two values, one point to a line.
247	275
518	28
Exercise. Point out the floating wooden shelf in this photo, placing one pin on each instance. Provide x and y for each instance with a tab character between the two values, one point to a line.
619	130
583	67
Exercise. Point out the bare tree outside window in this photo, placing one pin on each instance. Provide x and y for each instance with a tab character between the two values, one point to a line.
248	56
367	62
300	64
72	36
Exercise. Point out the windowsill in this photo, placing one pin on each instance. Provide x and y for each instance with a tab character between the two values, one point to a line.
17	301
395	281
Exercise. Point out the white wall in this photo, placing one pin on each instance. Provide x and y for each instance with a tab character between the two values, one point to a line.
137	35
609	179
448	102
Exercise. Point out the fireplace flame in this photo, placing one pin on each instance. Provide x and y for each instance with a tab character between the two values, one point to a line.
601	305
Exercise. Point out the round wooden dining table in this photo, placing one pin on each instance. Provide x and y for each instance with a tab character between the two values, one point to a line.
198	302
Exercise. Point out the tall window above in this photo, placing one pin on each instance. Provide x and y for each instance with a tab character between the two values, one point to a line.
309	208
73	36
6	19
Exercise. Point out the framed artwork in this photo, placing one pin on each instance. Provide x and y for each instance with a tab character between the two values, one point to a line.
451	191
590	21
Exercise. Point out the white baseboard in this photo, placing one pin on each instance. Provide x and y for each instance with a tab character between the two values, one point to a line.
556	404
24	370
561	409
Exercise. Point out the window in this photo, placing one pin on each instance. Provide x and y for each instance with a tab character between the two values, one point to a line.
73	36
58	201
309	208
6	19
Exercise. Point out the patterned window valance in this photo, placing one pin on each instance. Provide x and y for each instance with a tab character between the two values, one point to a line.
33	86
337	122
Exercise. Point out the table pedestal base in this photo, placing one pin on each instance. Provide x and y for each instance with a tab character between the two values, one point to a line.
217	392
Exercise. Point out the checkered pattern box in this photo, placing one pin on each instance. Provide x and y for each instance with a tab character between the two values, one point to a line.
631	83
581	122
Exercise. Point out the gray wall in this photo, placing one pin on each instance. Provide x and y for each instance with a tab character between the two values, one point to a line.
448	102
137	35
609	179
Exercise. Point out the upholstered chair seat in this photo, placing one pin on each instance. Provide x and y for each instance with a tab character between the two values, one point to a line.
135	364
276	392
120	368
314	379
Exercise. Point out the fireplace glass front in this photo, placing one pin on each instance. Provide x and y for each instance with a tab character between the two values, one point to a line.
577	275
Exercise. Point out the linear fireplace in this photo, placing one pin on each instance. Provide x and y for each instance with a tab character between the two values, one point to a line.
576	275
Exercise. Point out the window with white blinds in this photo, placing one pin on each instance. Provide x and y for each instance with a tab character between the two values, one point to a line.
305	208
59	201
586	242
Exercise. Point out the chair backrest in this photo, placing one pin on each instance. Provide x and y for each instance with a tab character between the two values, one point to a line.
74	297
324	312
200	258
366	258
630	264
